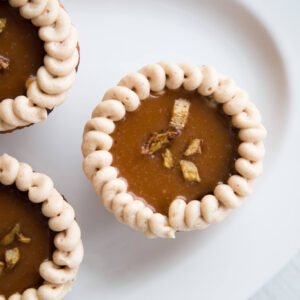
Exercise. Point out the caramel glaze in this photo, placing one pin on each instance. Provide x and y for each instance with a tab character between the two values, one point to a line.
16	208
19	42
147	177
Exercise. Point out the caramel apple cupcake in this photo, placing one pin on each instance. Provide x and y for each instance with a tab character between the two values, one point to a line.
40	241
173	147
39	56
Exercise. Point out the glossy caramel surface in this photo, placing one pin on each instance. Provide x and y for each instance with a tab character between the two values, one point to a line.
19	42
146	175
16	208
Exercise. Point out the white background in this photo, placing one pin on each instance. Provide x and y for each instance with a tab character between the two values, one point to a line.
257	43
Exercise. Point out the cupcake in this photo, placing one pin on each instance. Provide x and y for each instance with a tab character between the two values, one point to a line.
173	147
39	55
40	240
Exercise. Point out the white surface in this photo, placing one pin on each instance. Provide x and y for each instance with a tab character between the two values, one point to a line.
284	285
230	260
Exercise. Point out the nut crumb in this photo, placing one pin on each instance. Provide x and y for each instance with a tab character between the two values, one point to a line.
194	147
22	238
2	267
168	159
12	257
4	63
3	22
189	171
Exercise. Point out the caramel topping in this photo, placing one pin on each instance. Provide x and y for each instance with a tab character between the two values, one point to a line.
147	175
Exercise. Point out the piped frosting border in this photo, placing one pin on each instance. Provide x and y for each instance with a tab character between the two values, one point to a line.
182	216
49	87
60	272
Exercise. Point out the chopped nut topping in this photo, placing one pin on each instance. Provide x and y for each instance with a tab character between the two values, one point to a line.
3	22
168	159
4	63
2	267
22	238
158	140
14	234
10	237
194	147
189	171
180	113
12	257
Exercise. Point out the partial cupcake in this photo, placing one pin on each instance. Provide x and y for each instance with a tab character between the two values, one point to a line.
173	147
40	240
39	55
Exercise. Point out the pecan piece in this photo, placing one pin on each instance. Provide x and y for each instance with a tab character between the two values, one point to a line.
3	22
4	63
194	147
10	237
12	257
168	159
22	238
158	140
180	114
189	171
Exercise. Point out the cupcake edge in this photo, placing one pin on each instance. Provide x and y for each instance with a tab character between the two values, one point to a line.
60	272
127	96
49	87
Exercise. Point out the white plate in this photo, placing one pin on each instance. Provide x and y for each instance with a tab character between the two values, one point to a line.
228	261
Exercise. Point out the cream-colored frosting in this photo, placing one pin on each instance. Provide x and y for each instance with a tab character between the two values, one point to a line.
61	271
182	216
49	87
